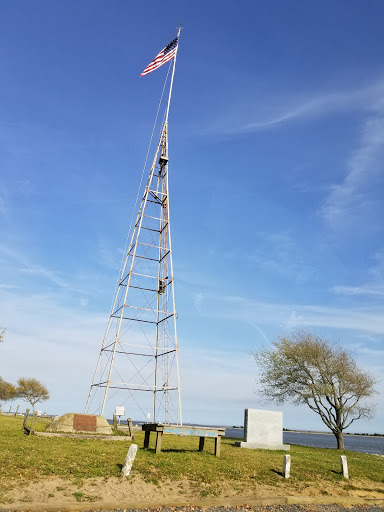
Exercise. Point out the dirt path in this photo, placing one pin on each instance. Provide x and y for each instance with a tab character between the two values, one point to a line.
52	493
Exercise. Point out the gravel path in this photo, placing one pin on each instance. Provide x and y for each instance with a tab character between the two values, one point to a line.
244	508
265	508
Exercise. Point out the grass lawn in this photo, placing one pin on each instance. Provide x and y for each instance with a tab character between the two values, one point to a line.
28	458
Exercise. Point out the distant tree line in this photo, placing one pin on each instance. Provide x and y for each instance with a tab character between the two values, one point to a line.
30	390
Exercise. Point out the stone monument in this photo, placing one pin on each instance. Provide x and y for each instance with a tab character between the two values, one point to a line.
80	423
263	429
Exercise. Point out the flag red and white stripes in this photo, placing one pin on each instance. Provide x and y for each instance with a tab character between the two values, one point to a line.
167	54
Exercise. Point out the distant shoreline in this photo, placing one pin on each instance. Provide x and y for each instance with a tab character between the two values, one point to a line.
318	432
331	434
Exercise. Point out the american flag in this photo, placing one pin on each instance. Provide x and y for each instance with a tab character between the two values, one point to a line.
167	54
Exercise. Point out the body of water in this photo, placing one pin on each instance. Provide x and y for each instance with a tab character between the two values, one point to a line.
365	444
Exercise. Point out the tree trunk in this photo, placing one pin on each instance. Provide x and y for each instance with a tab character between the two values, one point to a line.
340	439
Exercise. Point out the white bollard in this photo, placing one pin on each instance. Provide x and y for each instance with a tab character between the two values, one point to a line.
344	466
286	466
129	460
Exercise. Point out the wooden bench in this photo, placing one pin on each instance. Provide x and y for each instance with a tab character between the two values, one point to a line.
182	430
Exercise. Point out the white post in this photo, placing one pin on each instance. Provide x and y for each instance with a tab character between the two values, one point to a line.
344	466
173	74
129	460
286	466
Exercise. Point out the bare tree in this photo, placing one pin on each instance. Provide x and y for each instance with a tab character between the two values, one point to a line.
32	391
307	369
2	331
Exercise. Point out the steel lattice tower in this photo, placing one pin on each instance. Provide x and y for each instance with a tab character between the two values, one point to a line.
138	363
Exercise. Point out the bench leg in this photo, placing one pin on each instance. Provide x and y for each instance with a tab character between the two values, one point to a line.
217	446
158	442
201	444
146	439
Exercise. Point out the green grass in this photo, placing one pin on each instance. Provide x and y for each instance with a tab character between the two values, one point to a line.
30	457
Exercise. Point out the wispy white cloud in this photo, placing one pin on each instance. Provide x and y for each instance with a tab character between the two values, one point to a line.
259	330
312	107
197	300
108	256
45	273
358	290
374	285
351	197
357	319
3	206
25	187
3	201
294	321
4	286
19	262
274	111
376	271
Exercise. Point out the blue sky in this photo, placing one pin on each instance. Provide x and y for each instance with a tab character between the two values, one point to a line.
276	141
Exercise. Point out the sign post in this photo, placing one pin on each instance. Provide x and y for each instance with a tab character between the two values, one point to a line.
119	411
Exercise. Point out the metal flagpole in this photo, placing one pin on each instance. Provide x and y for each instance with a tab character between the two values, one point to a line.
173	74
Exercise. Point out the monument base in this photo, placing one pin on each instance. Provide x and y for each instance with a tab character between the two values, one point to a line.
252	446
